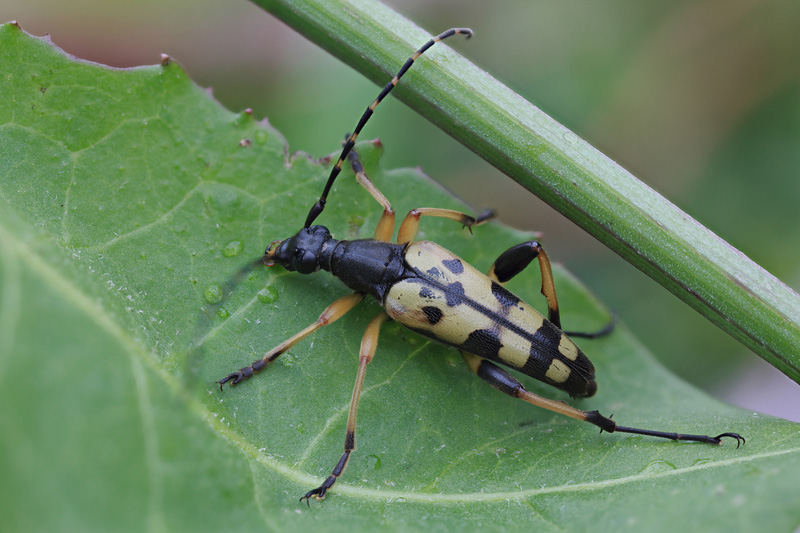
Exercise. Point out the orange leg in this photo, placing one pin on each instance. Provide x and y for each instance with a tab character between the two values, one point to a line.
410	225
386	224
331	314
516	259
368	345
508	384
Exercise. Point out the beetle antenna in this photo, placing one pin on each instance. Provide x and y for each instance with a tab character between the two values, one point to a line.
351	140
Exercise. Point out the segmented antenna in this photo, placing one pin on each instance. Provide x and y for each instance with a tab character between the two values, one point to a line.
351	141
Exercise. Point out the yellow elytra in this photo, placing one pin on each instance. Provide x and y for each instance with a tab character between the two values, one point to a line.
454	303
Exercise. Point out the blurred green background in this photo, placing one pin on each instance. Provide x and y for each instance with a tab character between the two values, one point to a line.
699	99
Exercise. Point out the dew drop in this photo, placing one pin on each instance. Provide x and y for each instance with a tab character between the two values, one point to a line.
213	293
288	359
223	313
267	295
570	137
657	467
232	248
374	461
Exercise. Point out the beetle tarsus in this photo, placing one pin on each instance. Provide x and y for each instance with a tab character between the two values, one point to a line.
236	377
319	492
739	439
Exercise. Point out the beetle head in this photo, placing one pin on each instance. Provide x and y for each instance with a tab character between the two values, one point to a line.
301	253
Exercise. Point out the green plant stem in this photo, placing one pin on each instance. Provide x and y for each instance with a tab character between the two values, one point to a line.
543	156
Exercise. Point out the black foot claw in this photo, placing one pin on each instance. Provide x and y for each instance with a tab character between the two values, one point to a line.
235	379
318	493
242	374
739	439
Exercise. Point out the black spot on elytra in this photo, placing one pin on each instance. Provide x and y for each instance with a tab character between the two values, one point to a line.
433	314
504	296
454	294
453	265
427	293
544	349
434	273
547	336
483	342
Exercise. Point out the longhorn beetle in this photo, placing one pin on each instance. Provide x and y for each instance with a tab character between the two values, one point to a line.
431	291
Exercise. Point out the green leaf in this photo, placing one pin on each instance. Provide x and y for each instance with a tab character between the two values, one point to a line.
128	200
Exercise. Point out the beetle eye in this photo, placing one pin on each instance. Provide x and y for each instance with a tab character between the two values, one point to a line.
305	262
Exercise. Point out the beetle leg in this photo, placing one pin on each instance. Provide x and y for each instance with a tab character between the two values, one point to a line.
386	224
410	225
368	345
331	314
508	384
516	259
605	330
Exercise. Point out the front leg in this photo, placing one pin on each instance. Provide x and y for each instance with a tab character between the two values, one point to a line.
386	224
331	314
410	225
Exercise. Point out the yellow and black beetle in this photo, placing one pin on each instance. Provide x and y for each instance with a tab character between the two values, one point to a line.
435	293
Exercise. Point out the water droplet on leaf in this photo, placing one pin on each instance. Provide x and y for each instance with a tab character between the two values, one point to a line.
213	293
656	467
267	295
232	248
